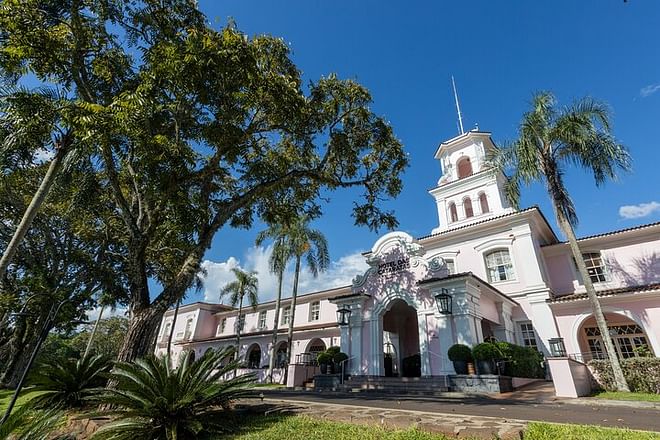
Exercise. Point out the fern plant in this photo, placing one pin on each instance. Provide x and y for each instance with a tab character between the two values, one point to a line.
67	383
26	423
152	400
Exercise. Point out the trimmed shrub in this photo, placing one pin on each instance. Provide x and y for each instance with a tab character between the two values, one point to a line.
521	361
324	358
459	352
642	374
486	351
333	350
339	358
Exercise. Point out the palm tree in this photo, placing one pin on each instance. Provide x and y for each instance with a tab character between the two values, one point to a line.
302	241
245	285
30	121
153	400
277	264
549	139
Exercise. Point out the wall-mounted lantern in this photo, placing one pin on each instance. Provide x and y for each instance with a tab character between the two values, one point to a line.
443	301
343	315
557	347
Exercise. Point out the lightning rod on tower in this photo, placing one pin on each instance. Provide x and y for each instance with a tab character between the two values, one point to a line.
458	106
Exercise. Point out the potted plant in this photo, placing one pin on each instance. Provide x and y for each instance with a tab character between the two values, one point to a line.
324	359
485	354
338	359
460	355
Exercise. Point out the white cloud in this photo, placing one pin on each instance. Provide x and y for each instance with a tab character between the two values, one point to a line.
638	211
649	90
340	273
93	314
43	155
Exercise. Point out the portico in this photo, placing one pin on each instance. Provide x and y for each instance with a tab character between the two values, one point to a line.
396	328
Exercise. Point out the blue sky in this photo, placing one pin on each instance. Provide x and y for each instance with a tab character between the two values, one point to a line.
500	53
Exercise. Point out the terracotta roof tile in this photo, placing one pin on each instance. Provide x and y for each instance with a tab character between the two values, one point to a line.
606	293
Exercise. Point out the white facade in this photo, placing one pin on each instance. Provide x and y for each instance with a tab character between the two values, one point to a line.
508	274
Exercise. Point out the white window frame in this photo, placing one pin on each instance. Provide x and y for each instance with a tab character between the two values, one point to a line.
453	263
604	271
286	315
521	333
313	312
188	329
263	314
489	252
166	330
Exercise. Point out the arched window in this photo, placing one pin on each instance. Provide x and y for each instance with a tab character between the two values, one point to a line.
467	206
464	167
453	213
483	201
499	266
253	357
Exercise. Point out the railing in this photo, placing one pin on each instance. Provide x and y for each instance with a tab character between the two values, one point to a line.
588	356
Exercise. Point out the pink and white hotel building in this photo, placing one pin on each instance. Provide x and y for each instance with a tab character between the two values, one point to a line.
508	274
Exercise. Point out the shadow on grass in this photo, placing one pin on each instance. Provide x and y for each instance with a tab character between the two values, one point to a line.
249	419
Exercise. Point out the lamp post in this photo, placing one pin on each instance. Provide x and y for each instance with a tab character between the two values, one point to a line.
444	302
343	315
557	347
45	329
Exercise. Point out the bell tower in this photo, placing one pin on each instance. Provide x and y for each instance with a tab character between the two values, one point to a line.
469	189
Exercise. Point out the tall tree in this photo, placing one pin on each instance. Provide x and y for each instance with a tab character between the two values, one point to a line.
245	286
208	129
308	243
549	139
277	265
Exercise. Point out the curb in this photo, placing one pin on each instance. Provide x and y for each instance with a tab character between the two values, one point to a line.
608	402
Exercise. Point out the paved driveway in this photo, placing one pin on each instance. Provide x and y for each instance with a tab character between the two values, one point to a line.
520	409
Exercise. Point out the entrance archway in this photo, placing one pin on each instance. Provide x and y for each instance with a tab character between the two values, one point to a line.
630	340
401	335
253	357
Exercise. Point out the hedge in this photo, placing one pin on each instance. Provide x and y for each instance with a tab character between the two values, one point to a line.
641	373
521	361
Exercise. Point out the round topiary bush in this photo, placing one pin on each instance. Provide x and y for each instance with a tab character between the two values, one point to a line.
324	358
339	358
459	352
333	350
486	351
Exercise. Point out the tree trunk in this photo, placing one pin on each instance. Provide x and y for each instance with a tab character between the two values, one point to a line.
238	330
271	363
138	341
169	337
567	228
19	346
292	315
34	206
91	337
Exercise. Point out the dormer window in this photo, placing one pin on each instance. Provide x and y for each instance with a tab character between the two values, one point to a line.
467	207
453	213
464	167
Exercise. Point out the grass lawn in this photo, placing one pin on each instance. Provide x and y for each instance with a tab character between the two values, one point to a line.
615	395
305	428
5	397
549	431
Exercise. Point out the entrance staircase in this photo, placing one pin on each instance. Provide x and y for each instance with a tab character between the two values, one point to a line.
427	386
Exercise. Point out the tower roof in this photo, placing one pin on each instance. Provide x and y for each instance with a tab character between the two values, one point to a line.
462	138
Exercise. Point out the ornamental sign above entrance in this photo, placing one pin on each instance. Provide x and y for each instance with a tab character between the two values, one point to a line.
390	268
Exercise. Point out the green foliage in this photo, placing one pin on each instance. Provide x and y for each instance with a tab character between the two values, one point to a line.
333	350
553	431
208	129
24	423
324	358
552	138
459	352
641	373
521	361
67	383
338	358
152	400
486	351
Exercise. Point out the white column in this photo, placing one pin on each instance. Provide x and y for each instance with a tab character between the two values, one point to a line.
543	319
506	330
445	340
424	343
355	353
